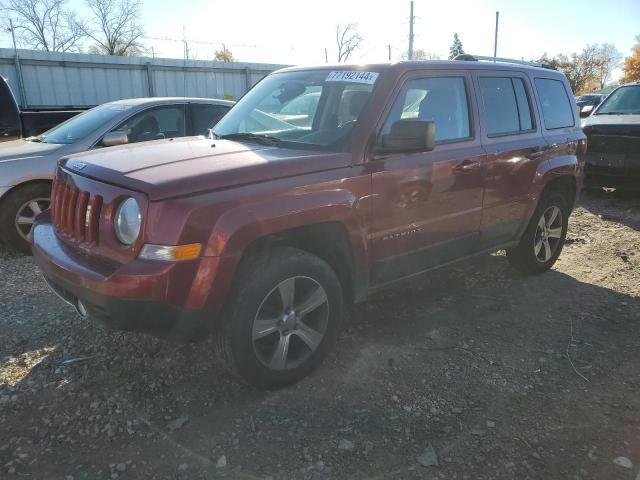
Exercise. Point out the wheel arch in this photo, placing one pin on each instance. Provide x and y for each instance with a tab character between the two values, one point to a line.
326	240
565	185
14	188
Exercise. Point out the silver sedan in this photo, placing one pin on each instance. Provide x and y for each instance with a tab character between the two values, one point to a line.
27	166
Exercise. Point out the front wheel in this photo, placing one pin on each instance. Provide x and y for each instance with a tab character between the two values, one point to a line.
542	241
18	213
283	317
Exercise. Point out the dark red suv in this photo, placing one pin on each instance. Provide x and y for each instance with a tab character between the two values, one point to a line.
320	187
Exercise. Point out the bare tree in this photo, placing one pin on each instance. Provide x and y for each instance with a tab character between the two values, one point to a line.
608	58
348	40
224	55
588	70
581	69
44	25
421	54
115	27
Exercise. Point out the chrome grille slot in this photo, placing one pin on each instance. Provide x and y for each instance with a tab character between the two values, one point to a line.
75	213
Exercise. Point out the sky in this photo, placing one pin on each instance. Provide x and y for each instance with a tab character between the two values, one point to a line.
298	31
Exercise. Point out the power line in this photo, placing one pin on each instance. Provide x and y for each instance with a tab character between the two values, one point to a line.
199	42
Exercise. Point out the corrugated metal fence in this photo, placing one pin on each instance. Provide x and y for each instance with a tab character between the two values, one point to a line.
46	79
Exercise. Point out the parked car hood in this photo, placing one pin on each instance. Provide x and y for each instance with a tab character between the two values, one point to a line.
172	168
21	149
611	120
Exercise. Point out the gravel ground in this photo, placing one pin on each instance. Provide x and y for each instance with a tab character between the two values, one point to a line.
470	372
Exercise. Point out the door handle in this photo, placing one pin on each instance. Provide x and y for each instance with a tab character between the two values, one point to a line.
466	166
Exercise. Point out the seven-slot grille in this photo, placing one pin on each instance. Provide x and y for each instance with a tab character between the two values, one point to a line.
75	214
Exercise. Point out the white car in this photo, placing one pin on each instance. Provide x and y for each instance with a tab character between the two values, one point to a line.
27	166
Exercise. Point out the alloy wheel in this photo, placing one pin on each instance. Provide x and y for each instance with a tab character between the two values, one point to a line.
27	213
548	234
291	323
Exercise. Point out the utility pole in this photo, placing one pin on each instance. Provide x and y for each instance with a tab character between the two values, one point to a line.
389	47
186	45
411	20
326	56
13	36
495	41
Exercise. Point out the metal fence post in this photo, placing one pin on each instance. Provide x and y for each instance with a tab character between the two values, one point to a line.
247	80
150	82
23	93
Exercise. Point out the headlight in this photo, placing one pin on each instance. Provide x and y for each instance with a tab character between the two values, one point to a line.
128	221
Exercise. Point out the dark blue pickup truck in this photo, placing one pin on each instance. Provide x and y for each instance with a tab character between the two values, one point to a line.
16	123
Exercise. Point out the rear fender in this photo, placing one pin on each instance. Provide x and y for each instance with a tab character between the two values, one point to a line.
550	170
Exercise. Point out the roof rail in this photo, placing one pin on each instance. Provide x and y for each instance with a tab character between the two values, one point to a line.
478	58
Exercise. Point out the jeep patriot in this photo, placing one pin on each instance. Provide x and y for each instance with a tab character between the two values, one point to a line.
320	187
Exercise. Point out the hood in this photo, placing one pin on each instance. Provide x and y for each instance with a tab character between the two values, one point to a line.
177	167
611	120
21	149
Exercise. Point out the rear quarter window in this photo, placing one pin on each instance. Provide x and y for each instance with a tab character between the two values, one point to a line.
557	110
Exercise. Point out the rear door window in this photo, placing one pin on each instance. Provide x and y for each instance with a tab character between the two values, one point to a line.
506	106
556	107
441	100
205	115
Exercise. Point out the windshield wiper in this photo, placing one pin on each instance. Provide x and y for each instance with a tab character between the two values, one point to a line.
262	139
615	113
38	139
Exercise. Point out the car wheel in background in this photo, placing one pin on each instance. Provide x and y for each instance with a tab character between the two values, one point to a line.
542	241
282	318
18	211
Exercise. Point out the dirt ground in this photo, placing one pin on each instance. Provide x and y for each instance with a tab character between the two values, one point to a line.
492	374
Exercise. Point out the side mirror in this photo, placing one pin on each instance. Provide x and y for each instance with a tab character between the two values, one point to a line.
112	139
586	110
407	136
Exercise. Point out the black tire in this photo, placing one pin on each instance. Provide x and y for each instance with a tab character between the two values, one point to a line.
256	289
526	257
9	208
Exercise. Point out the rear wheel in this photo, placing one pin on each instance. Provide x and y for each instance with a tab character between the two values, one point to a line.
19	211
282	319
542	241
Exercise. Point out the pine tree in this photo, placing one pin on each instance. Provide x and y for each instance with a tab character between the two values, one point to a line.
456	48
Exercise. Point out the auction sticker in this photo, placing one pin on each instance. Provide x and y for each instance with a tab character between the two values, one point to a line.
352	76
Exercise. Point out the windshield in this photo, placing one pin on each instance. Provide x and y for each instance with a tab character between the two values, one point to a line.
316	109
623	101
80	126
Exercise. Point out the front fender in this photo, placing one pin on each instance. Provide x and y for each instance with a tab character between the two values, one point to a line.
237	228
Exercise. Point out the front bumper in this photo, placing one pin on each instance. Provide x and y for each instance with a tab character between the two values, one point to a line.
130	297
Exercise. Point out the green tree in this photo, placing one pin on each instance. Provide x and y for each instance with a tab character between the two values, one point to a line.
456	47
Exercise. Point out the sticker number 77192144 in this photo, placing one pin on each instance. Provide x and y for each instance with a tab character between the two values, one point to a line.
352	76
